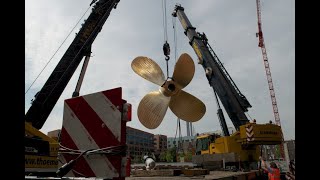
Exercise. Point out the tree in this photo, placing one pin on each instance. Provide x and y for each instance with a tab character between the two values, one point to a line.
188	156
173	152
169	156
277	151
162	156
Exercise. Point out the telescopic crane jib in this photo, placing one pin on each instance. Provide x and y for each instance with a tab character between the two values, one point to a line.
80	47
38	146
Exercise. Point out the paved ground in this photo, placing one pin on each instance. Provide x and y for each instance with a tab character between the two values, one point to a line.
213	175
165	178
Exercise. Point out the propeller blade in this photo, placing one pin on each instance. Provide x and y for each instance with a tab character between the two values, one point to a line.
187	107
183	70
152	109
148	69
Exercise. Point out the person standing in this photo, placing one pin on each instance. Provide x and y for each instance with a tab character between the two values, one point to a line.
273	170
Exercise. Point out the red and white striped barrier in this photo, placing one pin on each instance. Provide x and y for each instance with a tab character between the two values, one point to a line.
96	121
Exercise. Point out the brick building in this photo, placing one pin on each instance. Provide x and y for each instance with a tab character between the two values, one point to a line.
185	142
160	144
139	144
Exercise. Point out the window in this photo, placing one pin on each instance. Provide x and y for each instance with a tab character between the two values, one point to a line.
202	144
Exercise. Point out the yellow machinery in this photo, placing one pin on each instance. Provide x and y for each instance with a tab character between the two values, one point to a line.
243	145
41	152
245	148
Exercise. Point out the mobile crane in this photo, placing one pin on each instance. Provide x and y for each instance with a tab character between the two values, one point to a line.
243	145
41	151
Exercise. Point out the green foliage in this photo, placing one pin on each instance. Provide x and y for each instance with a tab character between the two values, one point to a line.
181	154
277	151
169	156
162	156
188	156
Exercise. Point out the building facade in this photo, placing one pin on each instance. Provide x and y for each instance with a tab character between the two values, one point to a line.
139	144
186	142
291	147
231	131
160	143
272	152
55	134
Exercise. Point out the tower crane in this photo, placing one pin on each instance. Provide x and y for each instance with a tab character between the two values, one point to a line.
261	44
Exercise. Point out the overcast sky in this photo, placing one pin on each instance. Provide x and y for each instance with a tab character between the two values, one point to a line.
135	28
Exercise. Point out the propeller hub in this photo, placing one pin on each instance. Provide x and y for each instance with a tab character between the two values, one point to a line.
169	88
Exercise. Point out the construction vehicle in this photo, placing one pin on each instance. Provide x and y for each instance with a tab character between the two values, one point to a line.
41	151
243	145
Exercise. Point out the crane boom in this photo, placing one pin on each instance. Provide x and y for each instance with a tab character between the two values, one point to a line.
48	96
268	73
234	102
267	67
243	144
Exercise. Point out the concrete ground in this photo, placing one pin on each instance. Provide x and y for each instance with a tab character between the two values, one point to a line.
164	178
214	175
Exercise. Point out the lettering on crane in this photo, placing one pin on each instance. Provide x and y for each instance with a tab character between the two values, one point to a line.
197	50
184	24
37	161
30	149
87	32
269	132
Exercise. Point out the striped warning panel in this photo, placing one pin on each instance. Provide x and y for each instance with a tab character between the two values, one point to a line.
249	132
94	121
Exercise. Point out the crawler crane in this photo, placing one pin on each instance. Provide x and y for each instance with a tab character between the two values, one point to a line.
243	145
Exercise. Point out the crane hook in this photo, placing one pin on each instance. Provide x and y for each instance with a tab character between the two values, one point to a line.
166	50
